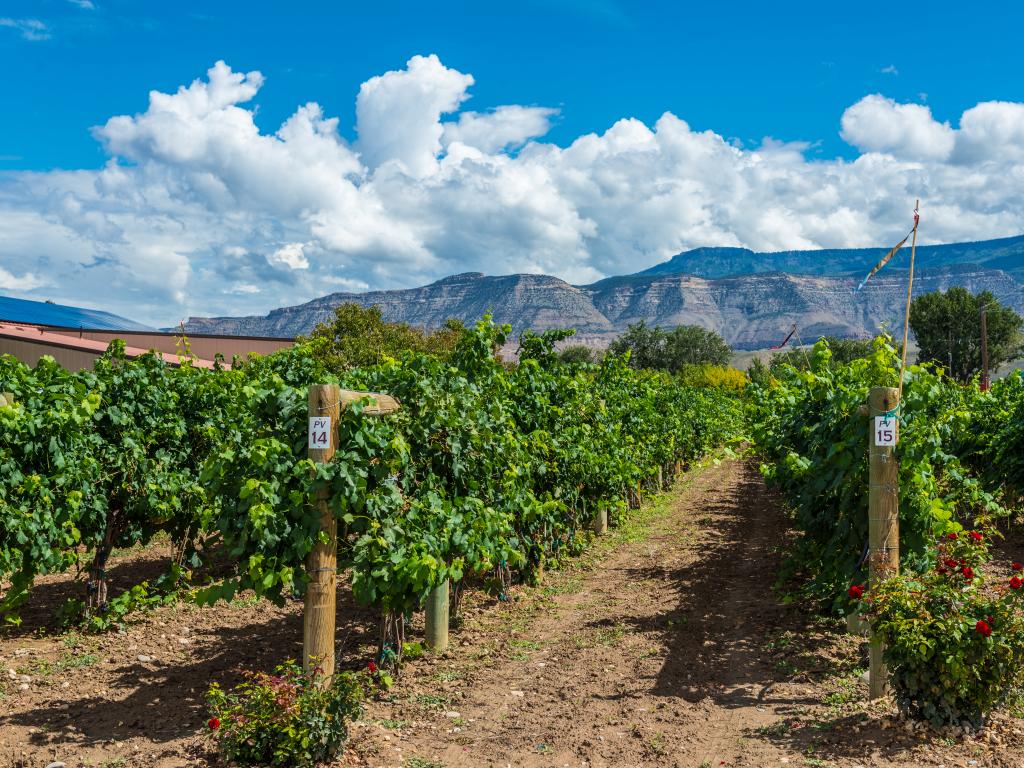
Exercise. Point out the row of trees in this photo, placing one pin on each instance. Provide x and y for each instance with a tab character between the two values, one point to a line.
359	336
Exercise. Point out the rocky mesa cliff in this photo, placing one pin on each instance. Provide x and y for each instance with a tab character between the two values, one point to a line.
726	289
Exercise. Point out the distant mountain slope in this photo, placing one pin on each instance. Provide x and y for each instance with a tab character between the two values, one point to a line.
526	301
43	313
1006	253
752	309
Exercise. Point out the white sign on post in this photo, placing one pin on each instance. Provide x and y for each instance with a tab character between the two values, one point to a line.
320	432
885	431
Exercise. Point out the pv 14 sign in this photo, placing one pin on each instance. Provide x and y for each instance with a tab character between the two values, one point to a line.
885	431
320	432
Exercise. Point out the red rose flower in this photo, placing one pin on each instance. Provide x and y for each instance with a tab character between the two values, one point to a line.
968	572
1016	583
983	629
952	536
214	723
856	592
1018	567
951	563
372	667
976	536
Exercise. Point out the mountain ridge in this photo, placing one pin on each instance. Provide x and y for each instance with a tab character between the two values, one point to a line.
751	309
706	260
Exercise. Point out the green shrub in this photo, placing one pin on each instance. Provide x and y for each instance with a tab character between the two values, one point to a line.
715	376
813	439
284	719
953	644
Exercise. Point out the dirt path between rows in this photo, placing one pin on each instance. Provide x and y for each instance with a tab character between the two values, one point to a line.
664	645
670	649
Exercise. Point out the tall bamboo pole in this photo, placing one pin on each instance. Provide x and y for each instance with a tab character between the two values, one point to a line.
910	291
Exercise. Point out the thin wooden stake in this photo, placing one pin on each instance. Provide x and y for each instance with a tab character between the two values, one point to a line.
322	562
910	291
985	381
883	518
437	618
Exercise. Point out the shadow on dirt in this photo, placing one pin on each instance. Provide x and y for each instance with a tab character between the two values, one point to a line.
126	568
164	699
42	610
729	638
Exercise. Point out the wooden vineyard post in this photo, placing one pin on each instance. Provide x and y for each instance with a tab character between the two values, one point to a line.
437	618
325	404
322	561
883	509
599	523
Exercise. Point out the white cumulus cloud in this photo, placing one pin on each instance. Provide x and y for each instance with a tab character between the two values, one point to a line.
290	256
398	114
878	124
506	127
199	211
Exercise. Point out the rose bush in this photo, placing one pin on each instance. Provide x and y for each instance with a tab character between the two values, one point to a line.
284	719
954	645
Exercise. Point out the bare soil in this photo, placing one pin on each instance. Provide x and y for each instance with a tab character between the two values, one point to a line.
665	645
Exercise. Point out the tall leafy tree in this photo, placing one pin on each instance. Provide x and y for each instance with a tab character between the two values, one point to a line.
693	345
359	336
947	327
655	348
576	353
645	344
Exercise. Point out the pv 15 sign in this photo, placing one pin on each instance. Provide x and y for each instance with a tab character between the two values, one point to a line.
320	432
885	431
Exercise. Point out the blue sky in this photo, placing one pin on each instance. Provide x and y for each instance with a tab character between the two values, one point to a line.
744	70
162	160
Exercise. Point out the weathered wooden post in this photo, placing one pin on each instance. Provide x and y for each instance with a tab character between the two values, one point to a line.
325	404
322	561
599	523
437	618
883	509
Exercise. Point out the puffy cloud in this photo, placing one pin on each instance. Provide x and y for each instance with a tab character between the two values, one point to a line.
907	131
198	211
398	114
507	127
290	256
993	130
26	282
